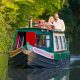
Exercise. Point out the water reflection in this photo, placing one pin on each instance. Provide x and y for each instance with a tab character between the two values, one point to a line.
74	74
70	73
39	74
74	68
48	74
74	58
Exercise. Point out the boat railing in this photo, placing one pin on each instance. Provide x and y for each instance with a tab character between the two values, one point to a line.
43	25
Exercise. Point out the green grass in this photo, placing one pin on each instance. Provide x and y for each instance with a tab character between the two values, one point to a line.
3	66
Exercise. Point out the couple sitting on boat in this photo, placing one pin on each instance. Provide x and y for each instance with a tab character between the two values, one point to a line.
54	23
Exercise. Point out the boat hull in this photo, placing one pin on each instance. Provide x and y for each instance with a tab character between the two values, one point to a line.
31	59
18	61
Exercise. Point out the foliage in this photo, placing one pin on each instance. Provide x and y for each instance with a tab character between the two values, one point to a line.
4	45
16	13
67	16
50	7
3	66
74	5
4	37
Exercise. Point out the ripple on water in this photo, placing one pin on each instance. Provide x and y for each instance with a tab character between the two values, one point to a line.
75	61
74	58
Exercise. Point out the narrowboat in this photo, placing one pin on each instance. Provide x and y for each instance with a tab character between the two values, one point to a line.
38	47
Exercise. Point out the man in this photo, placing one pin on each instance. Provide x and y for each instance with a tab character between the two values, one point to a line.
58	23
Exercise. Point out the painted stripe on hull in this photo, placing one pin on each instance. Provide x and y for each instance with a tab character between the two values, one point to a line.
41	58
43	53
35	59
40	52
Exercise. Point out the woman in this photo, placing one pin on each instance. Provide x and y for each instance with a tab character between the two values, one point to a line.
50	23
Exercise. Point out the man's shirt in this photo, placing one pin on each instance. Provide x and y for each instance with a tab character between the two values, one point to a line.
59	25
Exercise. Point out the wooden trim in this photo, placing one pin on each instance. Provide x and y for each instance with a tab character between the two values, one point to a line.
15	52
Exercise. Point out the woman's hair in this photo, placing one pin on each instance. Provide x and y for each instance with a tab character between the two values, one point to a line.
51	19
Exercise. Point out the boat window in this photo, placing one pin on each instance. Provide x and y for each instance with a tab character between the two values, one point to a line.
43	41
64	41
47	40
20	40
56	42
61	45
59	42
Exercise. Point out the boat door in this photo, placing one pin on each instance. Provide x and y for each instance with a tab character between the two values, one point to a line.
31	38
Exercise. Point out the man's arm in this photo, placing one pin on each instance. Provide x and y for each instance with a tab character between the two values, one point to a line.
63	25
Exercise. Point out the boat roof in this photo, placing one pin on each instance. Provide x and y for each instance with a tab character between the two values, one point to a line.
38	29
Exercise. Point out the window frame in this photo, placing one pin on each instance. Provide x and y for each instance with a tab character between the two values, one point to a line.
58	35
45	47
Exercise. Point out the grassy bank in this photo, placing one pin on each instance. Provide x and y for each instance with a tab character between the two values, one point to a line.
3	66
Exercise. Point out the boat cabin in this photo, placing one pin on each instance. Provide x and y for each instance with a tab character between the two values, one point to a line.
48	40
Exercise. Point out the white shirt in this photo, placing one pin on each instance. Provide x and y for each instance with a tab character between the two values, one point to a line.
59	25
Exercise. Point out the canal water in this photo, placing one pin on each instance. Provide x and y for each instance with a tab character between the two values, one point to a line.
69	73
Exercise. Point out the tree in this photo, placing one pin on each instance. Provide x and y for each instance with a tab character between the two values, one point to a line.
50	7
74	29
16	13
